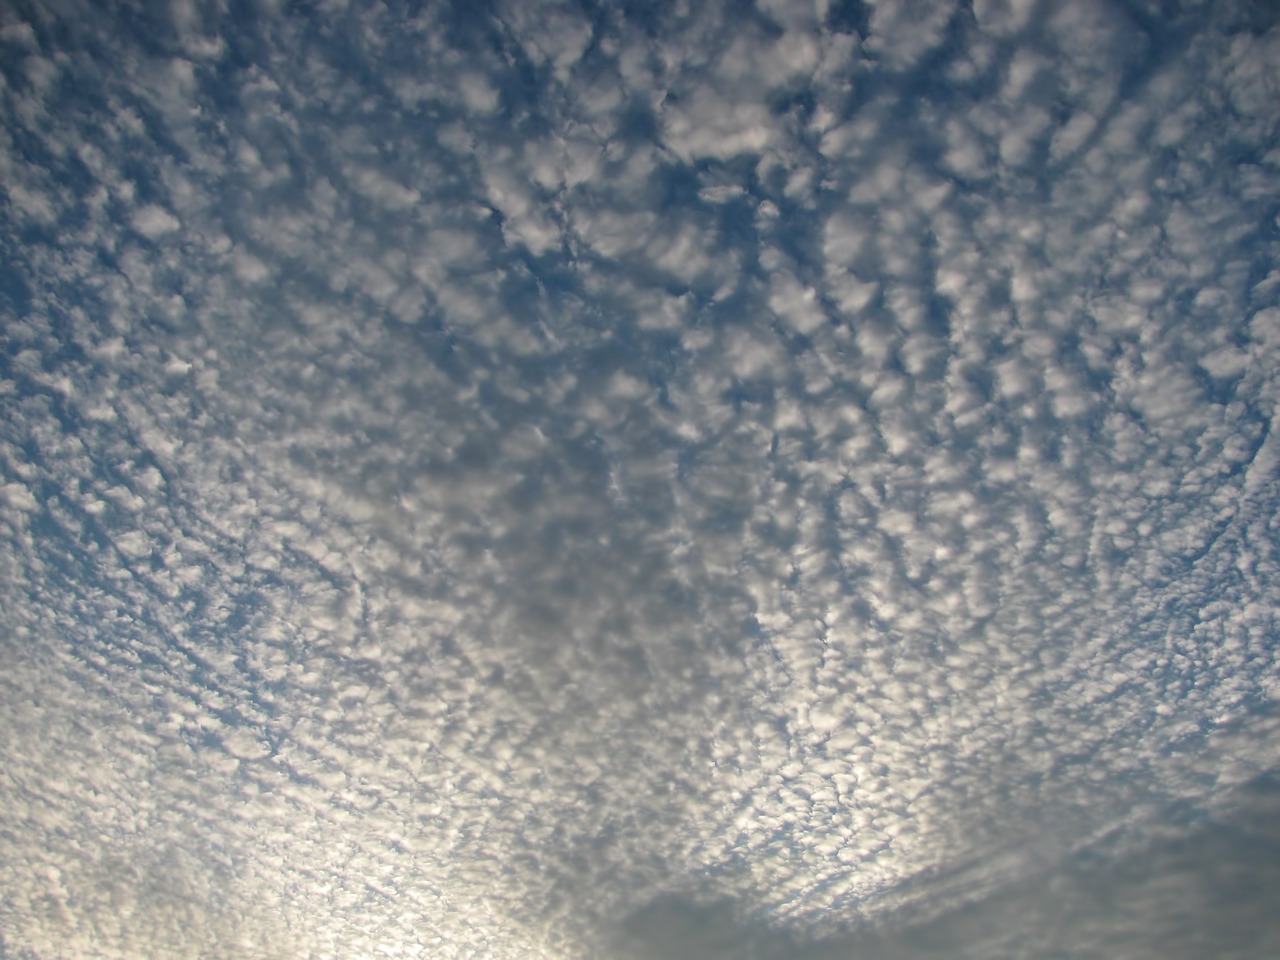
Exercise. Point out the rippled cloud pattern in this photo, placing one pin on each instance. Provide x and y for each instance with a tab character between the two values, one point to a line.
775	479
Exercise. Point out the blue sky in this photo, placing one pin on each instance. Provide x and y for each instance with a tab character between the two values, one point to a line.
638	480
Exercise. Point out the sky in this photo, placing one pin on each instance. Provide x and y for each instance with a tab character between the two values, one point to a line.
639	481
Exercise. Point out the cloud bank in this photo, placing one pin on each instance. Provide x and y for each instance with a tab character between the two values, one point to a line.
745	479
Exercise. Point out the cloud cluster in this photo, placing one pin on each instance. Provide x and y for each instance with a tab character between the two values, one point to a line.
536	480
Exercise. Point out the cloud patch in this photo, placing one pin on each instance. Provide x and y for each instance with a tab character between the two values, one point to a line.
552	482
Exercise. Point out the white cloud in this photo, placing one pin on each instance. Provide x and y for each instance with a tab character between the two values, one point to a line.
544	466
154	221
713	124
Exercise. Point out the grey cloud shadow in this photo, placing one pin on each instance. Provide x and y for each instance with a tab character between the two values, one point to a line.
1194	883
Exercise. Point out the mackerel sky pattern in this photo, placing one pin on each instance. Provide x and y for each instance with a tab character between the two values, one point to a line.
792	478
